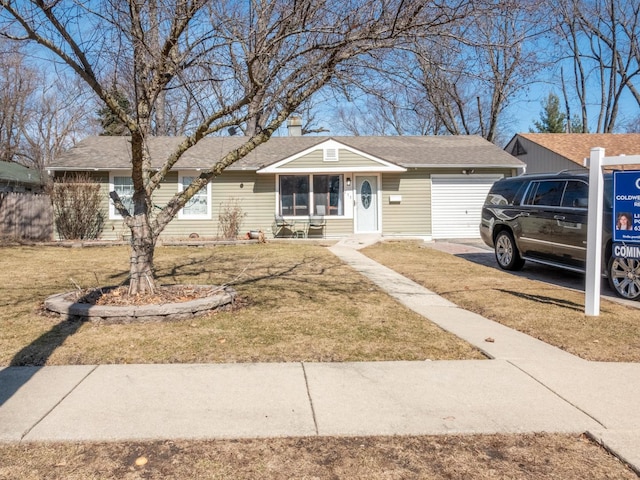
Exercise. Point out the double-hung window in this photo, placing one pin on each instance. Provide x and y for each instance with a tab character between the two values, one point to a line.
199	206
302	195
123	186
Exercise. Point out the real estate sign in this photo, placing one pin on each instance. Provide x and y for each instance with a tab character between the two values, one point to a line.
593	276
626	206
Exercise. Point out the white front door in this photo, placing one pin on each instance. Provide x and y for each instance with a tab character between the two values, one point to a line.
367	204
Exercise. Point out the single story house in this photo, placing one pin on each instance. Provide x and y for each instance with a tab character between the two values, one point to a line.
405	186
18	178
555	152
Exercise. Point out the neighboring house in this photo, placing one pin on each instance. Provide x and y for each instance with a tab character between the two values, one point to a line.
25	213
428	187
555	152
18	178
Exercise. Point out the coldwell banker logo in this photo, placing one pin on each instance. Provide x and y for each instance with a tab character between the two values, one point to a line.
626	206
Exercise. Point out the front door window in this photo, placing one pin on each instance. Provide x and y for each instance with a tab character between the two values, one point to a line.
365	192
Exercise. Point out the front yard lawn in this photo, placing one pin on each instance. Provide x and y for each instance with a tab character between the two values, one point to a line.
550	313
298	303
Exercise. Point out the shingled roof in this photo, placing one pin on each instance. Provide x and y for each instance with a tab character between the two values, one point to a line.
11	172
113	153
577	146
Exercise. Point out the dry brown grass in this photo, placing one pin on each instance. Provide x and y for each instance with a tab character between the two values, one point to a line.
478	457
550	313
302	304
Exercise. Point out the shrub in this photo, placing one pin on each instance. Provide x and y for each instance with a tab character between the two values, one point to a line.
230	219
77	207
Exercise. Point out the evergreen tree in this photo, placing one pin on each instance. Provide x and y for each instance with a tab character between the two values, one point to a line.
111	124
576	125
552	120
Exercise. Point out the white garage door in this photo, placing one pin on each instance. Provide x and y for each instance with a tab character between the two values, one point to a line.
456	204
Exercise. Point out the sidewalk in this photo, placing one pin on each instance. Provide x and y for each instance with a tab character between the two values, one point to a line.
528	386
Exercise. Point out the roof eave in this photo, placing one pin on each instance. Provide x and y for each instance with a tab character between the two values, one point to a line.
464	165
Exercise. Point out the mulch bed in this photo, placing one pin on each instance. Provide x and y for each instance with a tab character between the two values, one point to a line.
119	296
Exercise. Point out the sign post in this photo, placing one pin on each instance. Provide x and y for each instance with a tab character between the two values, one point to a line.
593	279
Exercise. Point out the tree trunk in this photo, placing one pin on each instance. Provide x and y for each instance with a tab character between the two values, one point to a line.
143	243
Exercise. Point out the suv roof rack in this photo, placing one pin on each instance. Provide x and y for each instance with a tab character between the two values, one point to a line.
572	171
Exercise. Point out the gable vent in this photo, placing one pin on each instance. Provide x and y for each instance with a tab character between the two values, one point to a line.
330	154
518	149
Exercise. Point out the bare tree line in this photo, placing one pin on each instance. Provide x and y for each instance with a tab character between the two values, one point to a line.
41	114
601	41
470	83
463	82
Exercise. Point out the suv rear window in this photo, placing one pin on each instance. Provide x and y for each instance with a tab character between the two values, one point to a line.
547	192
506	192
576	195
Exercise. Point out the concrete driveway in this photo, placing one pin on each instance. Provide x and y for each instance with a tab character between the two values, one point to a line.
477	252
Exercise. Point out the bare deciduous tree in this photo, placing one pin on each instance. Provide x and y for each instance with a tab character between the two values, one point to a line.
602	38
461	83
59	113
17	84
38	118
244	63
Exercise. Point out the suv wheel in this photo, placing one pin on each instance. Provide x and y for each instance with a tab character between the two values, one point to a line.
507	253
624	277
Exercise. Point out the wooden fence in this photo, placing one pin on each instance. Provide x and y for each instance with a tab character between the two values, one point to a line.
26	216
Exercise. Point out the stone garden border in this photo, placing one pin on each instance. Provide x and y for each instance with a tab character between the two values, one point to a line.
60	303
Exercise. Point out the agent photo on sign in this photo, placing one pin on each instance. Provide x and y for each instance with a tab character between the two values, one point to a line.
624	222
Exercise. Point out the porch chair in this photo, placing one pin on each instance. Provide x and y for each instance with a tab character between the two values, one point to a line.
280	226
317	221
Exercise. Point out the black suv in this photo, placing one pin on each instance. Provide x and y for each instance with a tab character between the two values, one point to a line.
543	218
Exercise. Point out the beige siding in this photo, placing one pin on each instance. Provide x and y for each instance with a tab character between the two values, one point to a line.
351	160
255	194
251	192
339	227
256	198
310	160
346	159
115	229
411	216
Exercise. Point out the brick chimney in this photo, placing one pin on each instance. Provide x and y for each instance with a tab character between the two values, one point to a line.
294	126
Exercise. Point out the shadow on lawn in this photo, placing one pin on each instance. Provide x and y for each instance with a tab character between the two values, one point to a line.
40	350
33	357
545	299
305	277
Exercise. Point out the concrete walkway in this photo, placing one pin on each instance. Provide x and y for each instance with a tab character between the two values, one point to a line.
528	386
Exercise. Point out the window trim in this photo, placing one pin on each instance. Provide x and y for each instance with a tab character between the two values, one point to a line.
344	189
186	216
113	213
